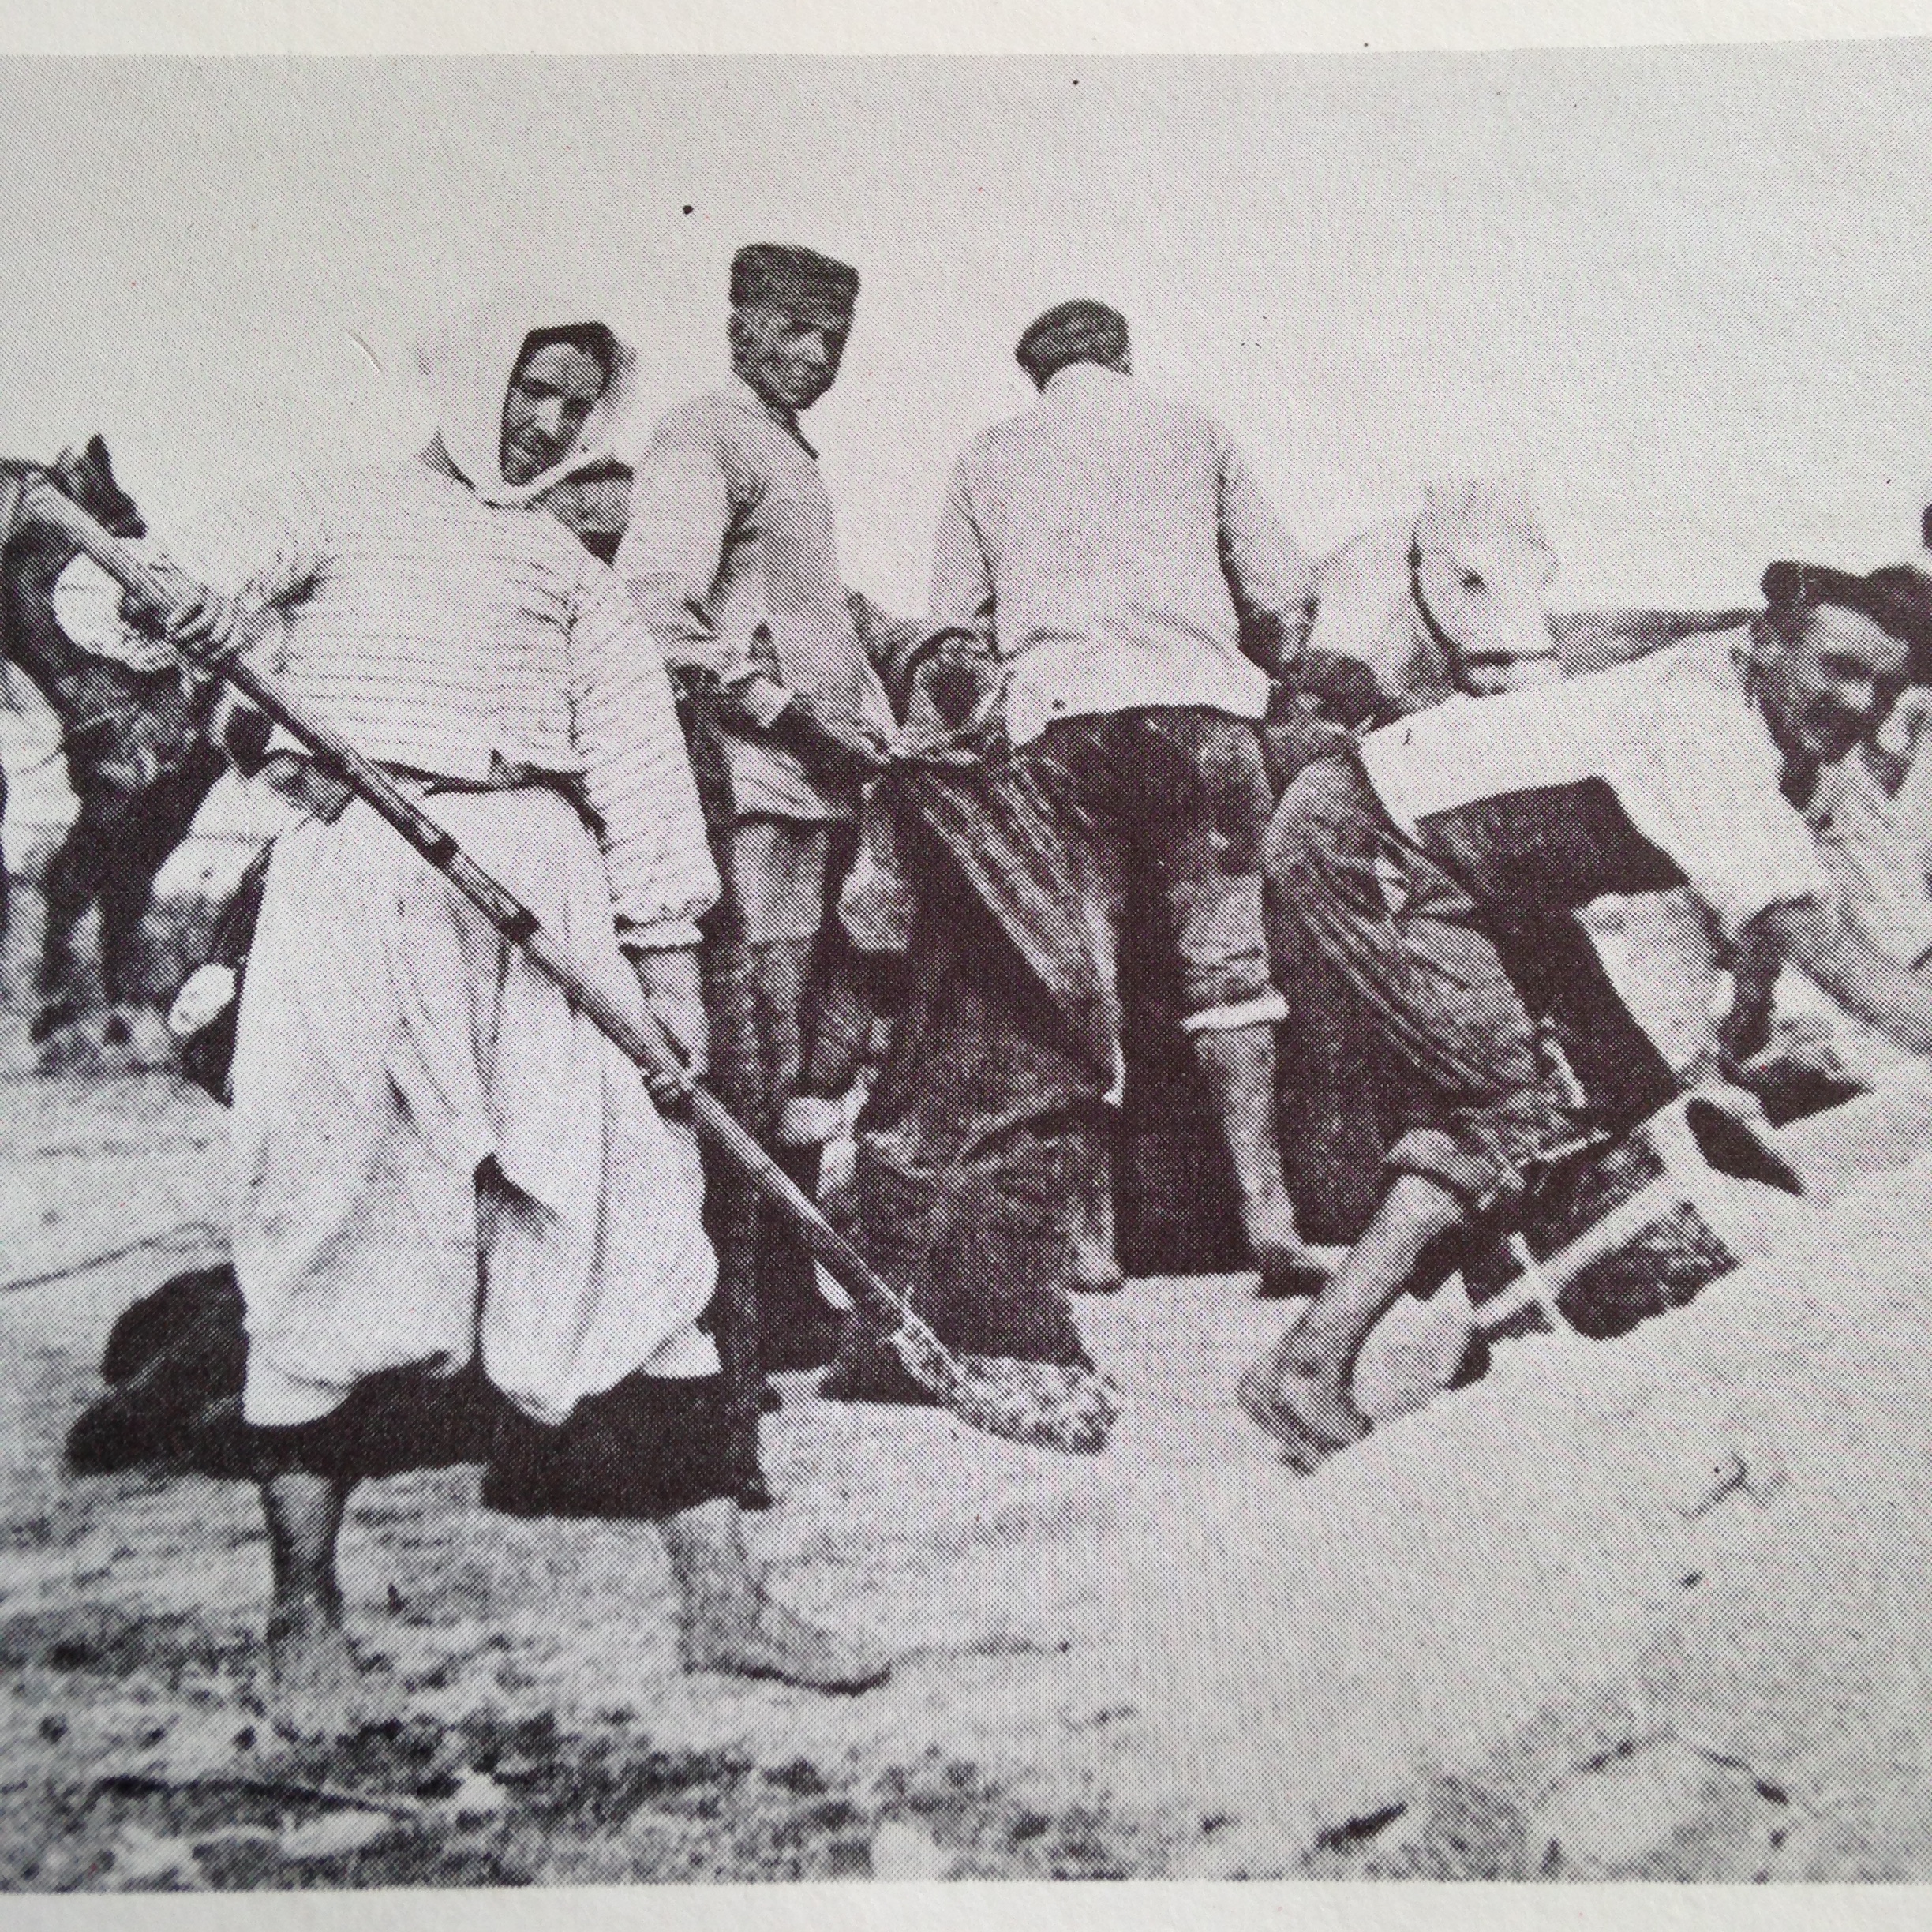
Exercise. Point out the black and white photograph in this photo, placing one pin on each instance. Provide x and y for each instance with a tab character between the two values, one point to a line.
947	970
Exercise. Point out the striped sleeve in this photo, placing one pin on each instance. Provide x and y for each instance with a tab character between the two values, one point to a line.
265	550
637	776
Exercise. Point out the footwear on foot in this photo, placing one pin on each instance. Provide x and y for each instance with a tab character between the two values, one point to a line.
777	1643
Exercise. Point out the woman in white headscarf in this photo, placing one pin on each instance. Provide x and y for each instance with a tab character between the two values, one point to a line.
464	369
462	1229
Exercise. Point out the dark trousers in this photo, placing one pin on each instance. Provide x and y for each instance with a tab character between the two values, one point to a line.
788	1021
647	1449
1178	797
1426	1011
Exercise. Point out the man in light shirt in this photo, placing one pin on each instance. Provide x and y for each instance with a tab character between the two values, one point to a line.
1871	813
1112	548
731	556
1399	873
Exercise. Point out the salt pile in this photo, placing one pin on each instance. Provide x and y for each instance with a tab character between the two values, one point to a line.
1716	1531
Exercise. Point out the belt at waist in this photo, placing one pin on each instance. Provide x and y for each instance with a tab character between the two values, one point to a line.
306	785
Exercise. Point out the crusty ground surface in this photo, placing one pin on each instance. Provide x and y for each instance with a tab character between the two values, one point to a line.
1654	1607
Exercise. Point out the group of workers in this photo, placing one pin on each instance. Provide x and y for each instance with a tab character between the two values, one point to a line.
464	1228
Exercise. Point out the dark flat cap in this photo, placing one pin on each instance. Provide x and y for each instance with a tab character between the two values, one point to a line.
813	286
1072	331
1898	599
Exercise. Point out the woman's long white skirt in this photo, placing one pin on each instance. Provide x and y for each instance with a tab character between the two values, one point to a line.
435	1155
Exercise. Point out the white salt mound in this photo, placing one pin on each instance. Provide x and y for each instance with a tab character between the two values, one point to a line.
1721	1522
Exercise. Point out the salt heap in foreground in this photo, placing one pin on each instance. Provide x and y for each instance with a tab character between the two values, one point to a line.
1609	1581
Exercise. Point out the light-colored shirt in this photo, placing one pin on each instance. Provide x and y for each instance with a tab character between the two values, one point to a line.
1874	849
1110	544
438	633
1874	844
731	527
87	606
1675	737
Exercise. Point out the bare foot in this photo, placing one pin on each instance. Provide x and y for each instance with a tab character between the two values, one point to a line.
316	1687
775	1642
1308	1415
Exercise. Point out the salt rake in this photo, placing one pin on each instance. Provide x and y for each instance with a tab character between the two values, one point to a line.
1702	1155
1045	1406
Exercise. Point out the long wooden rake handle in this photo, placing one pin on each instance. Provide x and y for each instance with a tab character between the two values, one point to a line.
652	1051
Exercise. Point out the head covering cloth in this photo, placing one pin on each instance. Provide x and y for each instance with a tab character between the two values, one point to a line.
820	292
466	369
1071	332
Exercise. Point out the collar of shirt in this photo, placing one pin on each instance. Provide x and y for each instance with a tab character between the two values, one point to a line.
1077	376
1743	670
746	397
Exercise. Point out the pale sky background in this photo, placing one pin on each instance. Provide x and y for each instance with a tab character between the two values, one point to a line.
1690	291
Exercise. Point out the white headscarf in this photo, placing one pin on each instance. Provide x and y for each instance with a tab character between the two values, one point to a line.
467	367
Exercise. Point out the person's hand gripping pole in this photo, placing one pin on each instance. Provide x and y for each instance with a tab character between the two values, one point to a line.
1070	1410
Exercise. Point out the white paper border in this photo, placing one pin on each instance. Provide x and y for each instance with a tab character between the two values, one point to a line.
214	28
932	27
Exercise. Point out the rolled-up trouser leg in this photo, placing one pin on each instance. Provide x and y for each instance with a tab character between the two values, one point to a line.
771	982
1206	851
841	1004
1461	1087
1178	796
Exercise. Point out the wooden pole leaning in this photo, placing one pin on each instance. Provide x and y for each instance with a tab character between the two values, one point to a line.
1071	1410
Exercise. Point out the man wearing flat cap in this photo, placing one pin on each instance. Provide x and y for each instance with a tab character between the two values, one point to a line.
732	554
1396	871
1871	815
1113	548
